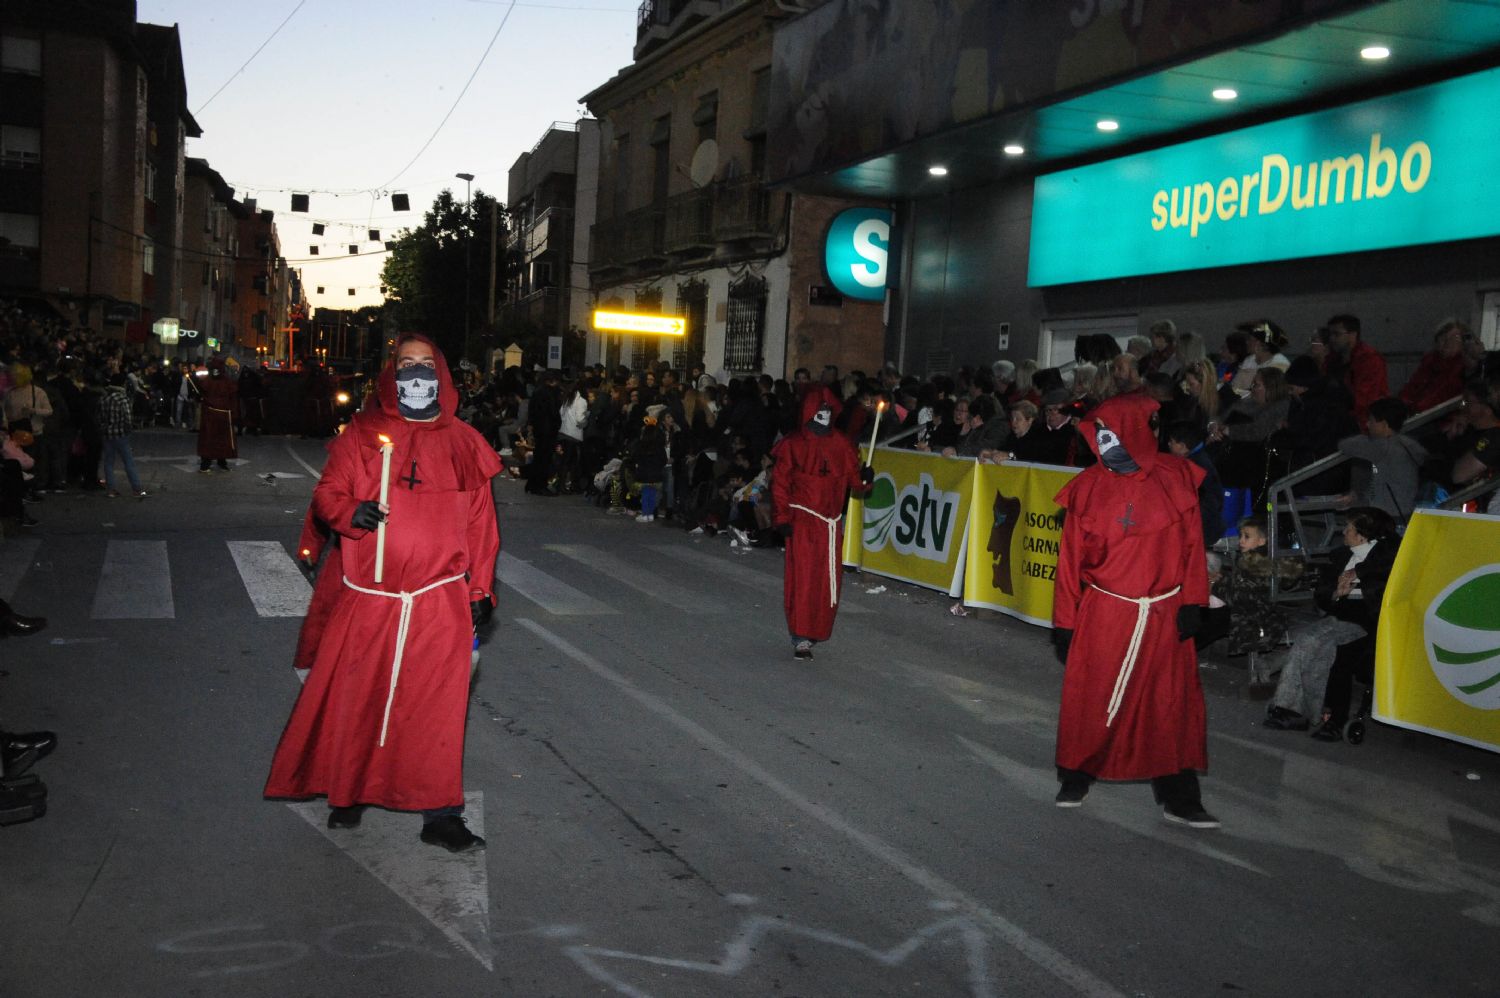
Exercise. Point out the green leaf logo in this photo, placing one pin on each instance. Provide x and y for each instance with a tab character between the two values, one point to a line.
1461	632
879	512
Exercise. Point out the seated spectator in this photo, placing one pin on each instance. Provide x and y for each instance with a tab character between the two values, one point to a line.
1185	439
983	431
1125	374
1440	375
1020	445
1387	466
1235	368
1208	398
1351	601
1163	356
1238	438
1355	364
1256	624
1319	417
1481	458
1267	341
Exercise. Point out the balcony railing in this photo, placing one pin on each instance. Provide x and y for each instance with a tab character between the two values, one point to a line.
694	223
690	222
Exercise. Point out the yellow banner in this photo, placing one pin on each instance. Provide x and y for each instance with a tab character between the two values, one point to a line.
1014	535
913	525
1437	651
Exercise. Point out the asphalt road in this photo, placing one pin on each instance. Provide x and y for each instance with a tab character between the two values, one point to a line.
674	806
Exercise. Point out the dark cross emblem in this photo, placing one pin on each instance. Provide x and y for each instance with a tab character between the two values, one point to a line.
411	480
1125	521
824	470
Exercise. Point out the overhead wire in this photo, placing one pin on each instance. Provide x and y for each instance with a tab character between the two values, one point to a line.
248	61
493	38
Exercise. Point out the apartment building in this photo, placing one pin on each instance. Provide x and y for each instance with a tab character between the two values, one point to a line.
687	225
93	125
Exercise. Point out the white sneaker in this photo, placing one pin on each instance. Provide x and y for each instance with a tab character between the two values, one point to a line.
740	536
696	532
644	518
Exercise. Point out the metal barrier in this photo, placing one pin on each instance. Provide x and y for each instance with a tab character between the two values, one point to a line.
1318	512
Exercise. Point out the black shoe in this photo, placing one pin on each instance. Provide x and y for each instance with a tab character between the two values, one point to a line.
1286	720
27	520
345	817
20	750
451	833
1191	815
802	649
1329	731
1072	792
15	623
224	466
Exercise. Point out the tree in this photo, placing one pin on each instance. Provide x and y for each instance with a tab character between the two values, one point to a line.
424	274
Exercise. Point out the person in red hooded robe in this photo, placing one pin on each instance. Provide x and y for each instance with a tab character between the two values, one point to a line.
1131	581
380	719
815	470
216	429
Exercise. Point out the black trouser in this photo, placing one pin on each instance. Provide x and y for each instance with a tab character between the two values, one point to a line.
539	471
1177	790
12	487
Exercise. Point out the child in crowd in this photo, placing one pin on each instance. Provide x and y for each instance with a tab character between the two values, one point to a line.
647	466
1256	624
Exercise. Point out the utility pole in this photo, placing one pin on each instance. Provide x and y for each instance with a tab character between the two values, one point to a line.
468	179
494	237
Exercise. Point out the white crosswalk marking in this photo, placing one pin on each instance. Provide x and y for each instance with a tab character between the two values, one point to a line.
135	582
618	569
273	580
16	556
550	594
742	574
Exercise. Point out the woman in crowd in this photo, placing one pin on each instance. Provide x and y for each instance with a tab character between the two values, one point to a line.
1237	441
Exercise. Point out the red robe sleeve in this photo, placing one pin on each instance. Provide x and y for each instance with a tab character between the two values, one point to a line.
1067	589
338	492
1195	559
484	543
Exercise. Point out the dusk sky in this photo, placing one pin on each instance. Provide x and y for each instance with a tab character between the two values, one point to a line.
346	94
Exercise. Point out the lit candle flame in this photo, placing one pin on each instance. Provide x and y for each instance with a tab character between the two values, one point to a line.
385	441
880	406
307	552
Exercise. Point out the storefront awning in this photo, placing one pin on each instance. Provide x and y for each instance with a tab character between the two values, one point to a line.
1316	65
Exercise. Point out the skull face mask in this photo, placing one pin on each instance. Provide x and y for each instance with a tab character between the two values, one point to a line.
1113	453
417	391
822	420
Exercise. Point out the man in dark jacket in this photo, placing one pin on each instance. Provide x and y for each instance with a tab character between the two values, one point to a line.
546	420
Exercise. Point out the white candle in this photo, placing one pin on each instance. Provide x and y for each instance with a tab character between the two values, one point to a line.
386	449
874	431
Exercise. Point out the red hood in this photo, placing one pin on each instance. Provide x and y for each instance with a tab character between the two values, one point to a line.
1129	416
447	394
815	399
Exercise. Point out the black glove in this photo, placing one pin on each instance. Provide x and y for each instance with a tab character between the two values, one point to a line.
367	515
1189	621
480	611
1062	640
309	570
867	474
785	530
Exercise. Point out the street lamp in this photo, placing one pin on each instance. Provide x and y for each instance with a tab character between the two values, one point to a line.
468	179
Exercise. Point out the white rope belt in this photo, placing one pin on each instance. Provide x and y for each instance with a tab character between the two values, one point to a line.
401	631
1133	650
833	551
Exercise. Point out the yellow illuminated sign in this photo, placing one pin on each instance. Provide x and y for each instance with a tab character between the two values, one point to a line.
633	322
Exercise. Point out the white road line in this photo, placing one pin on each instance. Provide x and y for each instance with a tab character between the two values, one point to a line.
298	458
617	569
741	574
451	890
135	582
1043	955
16	557
276	585
552	595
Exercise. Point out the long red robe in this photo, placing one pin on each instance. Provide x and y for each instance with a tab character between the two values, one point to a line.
1136	535
441	526
217	420
818	473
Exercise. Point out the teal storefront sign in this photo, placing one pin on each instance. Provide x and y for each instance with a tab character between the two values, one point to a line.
1422	166
857	252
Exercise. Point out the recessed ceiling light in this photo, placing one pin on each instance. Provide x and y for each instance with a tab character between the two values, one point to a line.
938	171
1014	149
1226	93
1374	53
1108	125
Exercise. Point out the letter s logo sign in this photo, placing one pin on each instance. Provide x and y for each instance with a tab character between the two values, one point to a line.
856	253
